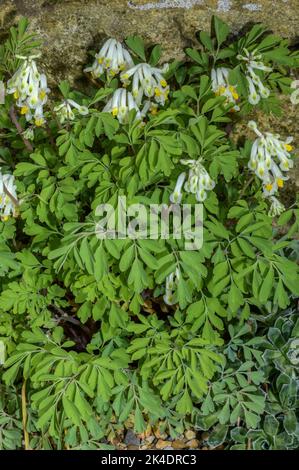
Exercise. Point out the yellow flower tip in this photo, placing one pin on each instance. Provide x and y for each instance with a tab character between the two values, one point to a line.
234	93
221	90
122	66
269	186
114	111
100	60
158	92
39	122
24	110
163	83
288	147
279	182
16	95
42	94
5	218
154	111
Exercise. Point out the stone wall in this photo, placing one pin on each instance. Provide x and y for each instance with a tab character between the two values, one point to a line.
70	28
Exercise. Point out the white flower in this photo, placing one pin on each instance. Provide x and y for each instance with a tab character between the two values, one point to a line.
121	103
148	81
176	196
172	281
8	197
257	90
222	87
29	134
30	90
65	111
276	207
269	159
199	180
254	60
253	96
25	81
112	59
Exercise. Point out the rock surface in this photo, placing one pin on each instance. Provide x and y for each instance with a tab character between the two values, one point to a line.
71	28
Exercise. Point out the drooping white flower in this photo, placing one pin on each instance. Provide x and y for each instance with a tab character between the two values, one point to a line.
65	110
121	103
222	87
28	133
177	195
30	91
198	182
147	81
253	96
276	207
269	159
257	90
25	80
112	59
172	281
8	197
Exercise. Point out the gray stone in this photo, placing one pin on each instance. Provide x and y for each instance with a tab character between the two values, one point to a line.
131	439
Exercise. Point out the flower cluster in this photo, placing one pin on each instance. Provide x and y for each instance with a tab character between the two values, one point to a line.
112	59
65	112
30	91
171	282
199	181
8	197
276	207
121	103
265	149
222	87
257	89
148	81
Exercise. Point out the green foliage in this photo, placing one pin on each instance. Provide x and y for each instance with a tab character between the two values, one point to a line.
87	333
20	43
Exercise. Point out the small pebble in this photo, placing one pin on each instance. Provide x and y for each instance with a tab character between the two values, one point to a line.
178	444
193	444
131	439
160	444
190	435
